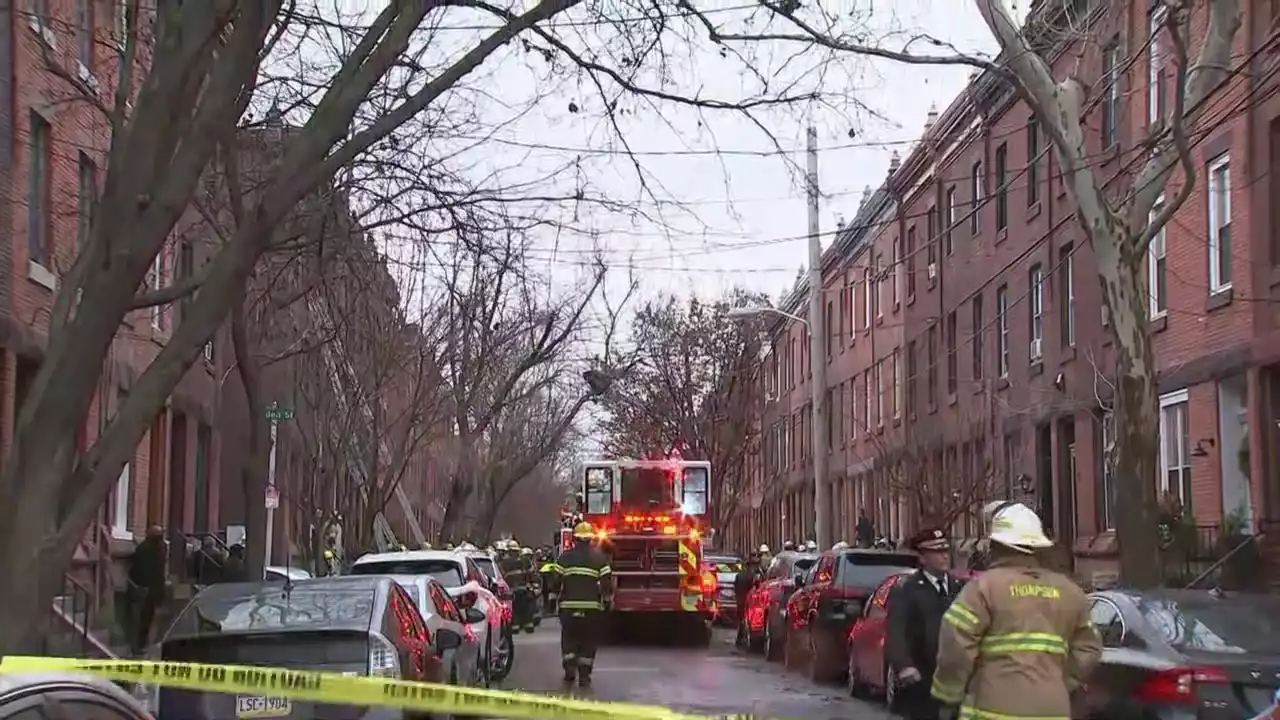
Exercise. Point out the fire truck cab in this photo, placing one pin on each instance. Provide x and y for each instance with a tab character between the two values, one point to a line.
650	516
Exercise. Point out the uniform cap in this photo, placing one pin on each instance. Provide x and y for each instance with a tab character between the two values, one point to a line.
583	531
1018	527
929	539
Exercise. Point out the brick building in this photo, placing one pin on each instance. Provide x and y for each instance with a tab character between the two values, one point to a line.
997	324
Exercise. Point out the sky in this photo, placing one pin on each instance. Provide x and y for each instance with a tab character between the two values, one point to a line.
719	206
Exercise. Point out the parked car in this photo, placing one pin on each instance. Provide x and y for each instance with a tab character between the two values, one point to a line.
453	570
726	568
866	671
1174	654
492	573
353	625
763	619
501	641
273	573
829	599
438	610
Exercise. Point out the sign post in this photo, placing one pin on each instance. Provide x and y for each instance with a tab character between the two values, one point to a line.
275	414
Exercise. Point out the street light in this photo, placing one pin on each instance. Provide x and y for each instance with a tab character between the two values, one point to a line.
817	387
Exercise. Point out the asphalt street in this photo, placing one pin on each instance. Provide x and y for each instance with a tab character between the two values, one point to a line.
719	680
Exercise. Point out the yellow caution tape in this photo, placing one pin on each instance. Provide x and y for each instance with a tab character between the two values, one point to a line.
337	689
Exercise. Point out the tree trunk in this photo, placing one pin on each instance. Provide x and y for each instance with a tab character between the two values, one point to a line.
253	475
1137	416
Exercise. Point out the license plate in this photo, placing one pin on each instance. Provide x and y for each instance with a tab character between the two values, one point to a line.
253	706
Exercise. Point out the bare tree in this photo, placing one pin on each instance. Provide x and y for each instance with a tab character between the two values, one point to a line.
692	389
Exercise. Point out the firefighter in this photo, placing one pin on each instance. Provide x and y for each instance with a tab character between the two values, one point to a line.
530	563
586	587
1018	639
550	585
517	577
788	546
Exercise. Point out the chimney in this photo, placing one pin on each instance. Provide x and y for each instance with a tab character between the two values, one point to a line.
840	221
932	118
895	162
866	194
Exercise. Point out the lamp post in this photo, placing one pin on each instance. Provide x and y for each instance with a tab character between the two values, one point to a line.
818	389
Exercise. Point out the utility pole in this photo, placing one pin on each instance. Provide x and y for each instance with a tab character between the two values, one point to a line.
275	414
818	355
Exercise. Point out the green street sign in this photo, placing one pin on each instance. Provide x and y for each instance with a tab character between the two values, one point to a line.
277	413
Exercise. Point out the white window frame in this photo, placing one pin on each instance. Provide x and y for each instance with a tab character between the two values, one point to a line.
1108	519
868	297
951	220
896	369
1219	190
1155	61
866	399
1069	264
895	270
880	272
122	505
853	310
1111	65
975	182
1157	251
880	394
1037	309
1002	331
156	282
1179	442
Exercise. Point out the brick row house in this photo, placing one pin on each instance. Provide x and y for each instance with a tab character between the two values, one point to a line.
183	475
964	318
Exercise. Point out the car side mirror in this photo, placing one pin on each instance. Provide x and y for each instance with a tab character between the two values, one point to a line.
447	639
473	616
465	600
798	581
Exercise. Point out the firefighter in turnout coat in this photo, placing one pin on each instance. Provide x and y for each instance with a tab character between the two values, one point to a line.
586	587
915	615
1018	639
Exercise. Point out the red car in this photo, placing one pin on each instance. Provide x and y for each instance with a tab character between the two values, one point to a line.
830	599
867	673
762	624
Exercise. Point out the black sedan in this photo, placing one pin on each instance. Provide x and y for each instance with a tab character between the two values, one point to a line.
1184	655
354	625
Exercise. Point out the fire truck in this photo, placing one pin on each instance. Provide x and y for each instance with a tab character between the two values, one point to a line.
650	517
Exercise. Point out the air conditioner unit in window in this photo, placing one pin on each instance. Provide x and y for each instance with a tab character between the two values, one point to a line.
1036	349
933	271
770	397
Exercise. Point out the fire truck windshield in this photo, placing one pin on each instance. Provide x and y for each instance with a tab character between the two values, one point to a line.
646	489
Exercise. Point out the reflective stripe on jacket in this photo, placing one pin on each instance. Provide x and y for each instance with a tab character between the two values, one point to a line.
1014	644
586	579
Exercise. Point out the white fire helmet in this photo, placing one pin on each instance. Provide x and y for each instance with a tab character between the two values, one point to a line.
764	549
1019	528
811	546
842	545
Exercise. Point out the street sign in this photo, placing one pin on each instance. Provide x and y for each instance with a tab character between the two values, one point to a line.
272	497
278	414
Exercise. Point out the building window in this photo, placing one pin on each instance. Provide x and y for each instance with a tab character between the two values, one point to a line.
880	393
951	220
84	34
979	333
828	321
1157	269
867	379
894	269
868	287
911	378
1037	313
1220	224
932	215
1157	74
121	507
931	380
1175	451
1033	161
1106	479
1002	331
159	318
851	314
975	183
831	418
38	192
1002	192
910	253
1067	271
897	383
1111	104
880	273
853	408
86	196
953	369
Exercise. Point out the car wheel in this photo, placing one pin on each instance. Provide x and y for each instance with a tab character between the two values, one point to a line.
772	652
856	687
816	672
890	688
501	666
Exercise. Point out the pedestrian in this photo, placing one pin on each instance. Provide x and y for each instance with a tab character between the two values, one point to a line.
147	584
206	562
234	568
1018	638
865	531
915	614
586	588
743	580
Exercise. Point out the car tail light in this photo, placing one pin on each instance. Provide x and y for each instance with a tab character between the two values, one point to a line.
1177	686
384	659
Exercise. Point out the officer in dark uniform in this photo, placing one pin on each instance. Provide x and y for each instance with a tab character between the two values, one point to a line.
586	587
550	585
916	606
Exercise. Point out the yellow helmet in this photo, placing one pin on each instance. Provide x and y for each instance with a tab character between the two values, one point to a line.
583	531
328	554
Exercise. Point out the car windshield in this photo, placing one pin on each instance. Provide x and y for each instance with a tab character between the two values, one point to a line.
869	569
252	607
1231	625
444	570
